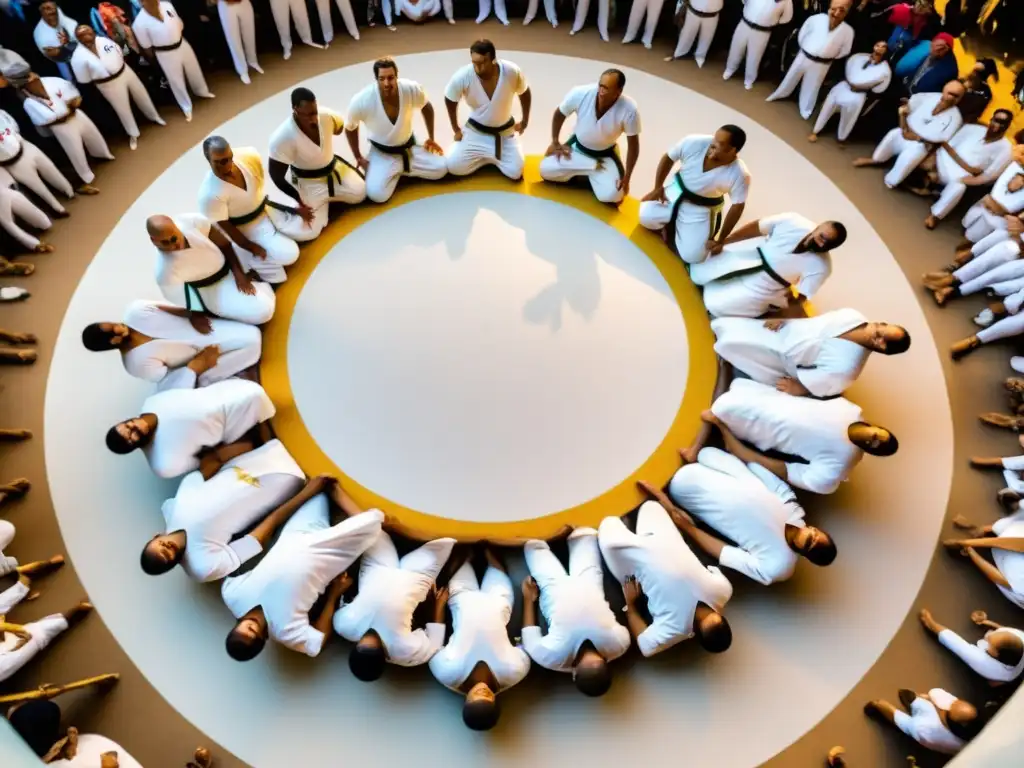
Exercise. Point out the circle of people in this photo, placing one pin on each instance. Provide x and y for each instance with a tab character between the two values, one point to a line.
784	425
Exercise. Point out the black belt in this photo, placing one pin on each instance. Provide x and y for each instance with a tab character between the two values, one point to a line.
703	202
13	160
329	172
205	282
171	47
702	14
402	149
254	214
496	132
611	153
758	27
764	266
114	76
818	59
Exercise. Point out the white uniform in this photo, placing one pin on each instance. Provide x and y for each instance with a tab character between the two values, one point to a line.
979	222
752	35
14	204
164	360
393	149
390	588
1013	473
699	25
977	656
338	183
480	616
924	726
992	157
499	11
198	278
118	83
43	631
594	136
583	8
308	555
189	420
175	56
1000	269
275	230
90	748
286	13
1010	564
477	148
75	132
737	282
696	221
809	350
573	604
323	8
808	429
7	564
932	128
29	166
46	36
825	45
848	97
671	576
238	21
637	11
745	503
421	10
213	512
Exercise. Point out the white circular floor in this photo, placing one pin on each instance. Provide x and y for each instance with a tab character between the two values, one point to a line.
809	640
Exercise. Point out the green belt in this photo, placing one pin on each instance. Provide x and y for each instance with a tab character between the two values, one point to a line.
240	221
402	149
491	130
195	285
611	153
715	204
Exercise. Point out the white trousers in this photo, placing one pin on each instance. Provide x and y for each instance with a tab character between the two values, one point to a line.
179	66
549	10
427	560
809	75
979	222
583	8
14	204
602	174
477	150
693	226
641	8
1009	326
276	232
953	190
285	12
909	155
323	9
1002	252
618	543
34	171
990	240
848	103
385	170
495	582
77	136
1005	279
42	631
547	570
699	29
316	193
753	43
239	24
223	299
485	10
240	347
121	92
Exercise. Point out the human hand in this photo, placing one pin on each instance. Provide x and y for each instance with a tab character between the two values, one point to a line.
206	359
258	251
655	195
979	617
201	322
342	583
457	135
790	386
713	247
362	163
623	185
519	127
774	324
306	214
433	147
631	591
928	622
530	590
557	149
245	285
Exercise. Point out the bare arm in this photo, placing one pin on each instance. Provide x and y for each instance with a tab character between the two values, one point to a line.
335	591
238	236
529	611
731	219
279	173
635	622
343	501
352	134
989	570
974	171
557	121
665	166
221	241
211	461
632	155
734	446
428	119
269	525
526	101
748	231
986	463
453	114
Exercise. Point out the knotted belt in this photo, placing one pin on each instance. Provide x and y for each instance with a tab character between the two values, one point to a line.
13	160
764	266
611	153
401	149
491	130
254	214
715	204
817	59
329	172
702	14
102	80
758	27
171	47
206	282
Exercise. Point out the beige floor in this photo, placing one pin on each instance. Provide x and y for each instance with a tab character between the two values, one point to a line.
167	739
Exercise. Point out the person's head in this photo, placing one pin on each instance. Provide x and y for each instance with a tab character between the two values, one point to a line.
963	720
85	34
484	57
942	45
161	554
610	86
878	441
887	339
128	435
480	710
712	629
164	233
48	12
591	673
837	12
825	237
952	93
727	143
386	72
368	658
924	7
880	51
999	124
1006	647
247	638
151	5
218	154
304	108
814	544
101	337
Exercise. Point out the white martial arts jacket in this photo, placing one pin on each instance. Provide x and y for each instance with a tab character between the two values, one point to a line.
212	512
1011	564
1013	202
90	748
732	179
934	129
969	142
189	420
152	32
44	112
200	260
221	200
497	110
106	62
622	117
291	146
977	656
367	107
817	39
768	13
814	430
924	726
46	36
10	137
862	72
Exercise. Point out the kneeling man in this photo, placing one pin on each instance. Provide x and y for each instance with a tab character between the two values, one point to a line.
388	107
602	115
491	135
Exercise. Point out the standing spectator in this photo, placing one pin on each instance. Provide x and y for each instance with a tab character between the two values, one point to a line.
978	95
54	36
912	24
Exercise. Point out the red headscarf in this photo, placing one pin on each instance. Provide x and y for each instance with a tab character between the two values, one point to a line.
904	16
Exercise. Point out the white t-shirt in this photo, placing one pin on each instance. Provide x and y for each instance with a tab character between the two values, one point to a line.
43	112
151	31
932	128
45	36
367	107
732	179
291	146
622	117
1011	564
10	137
494	111
805	271
214	511
220	200
89	66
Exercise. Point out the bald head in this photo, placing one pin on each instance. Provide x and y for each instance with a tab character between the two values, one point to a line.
164	233
963	720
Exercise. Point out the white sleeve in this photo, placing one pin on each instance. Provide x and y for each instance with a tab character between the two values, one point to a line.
805	30
821	381
445	668
847	46
338	120
300	636
179	378
456	87
740	185
245	549
11	596
142	34
917	101
821	476
810	282
773	482
676	152
996	166
549	651
417	97
631	125
196	221
212	206
941	698
571	102
659	636
883	83
417	647
357	111
768	224
37	37
80	70
742	561
1014	463
973	656
521	86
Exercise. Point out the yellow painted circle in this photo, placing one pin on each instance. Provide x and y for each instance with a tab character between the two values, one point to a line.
427	524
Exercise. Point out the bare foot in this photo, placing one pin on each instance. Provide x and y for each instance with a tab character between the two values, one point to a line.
41	567
863	162
954	546
709	417
18	338
942	295
688	455
87	189
1001	420
26	356
812	138
835	757
963	523
1008	499
647	488
931	222
872	708
79	612
43	248
202	758
15	434
979	617
18	487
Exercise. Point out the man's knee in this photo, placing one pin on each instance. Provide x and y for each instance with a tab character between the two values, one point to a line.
550	169
513	166
458	162
608	193
652	215
380	192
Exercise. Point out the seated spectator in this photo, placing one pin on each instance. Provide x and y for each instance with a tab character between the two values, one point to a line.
978	95
912	24
928	66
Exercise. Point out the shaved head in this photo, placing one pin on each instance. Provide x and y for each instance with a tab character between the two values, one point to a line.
164	233
158	224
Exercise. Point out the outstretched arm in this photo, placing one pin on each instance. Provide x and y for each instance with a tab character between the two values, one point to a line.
526	101
272	522
748	455
279	173
428	119
335	591
453	116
